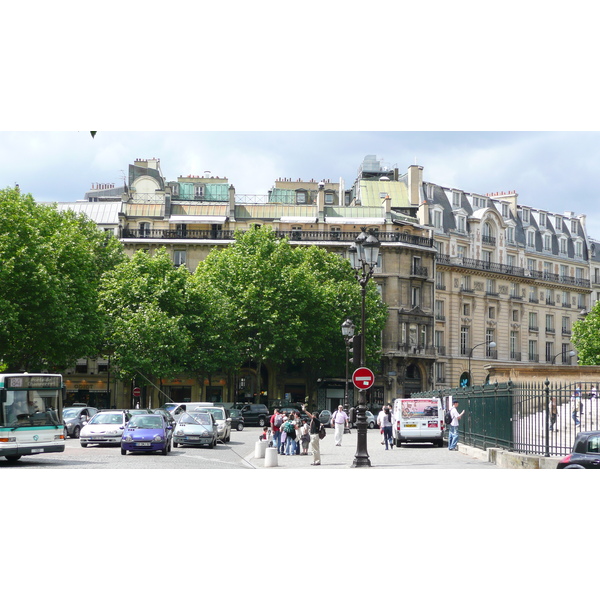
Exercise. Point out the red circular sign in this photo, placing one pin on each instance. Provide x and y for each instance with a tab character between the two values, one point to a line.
363	378
137	392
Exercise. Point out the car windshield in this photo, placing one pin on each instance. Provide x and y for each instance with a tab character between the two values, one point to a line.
146	422
217	413
70	413
202	418
107	418
169	407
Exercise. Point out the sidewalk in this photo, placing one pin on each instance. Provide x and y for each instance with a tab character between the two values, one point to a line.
341	457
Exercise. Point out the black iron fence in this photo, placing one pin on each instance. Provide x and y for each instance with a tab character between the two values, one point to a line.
529	417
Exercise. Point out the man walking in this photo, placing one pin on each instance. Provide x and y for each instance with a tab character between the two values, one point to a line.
276	422
315	426
339	420
453	433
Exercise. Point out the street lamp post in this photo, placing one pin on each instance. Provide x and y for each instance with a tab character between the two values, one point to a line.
348	333
490	344
570	354
364	253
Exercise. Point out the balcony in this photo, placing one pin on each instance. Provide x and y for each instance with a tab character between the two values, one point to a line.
566	331
534	358
173	234
412	349
488	239
418	271
550	330
515	356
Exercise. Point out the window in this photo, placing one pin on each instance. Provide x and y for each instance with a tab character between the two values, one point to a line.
490	334
514	344
462	224
533	351
440	372
515	290
440	280
564	271
531	239
439	310
578	248
549	352
465	283
181	229
573	225
466	310
439	341
542	219
563	245
415	294
199	191
179	257
525	215
511	260
515	316
550	323
491	312
144	230
548	242
547	268
464	340
558	222
328	197
510	235
487	256
566	300
581	301
533	294
531	264
490	286
461	251
593	444
455	198
533	322
300	197
566	325
437	219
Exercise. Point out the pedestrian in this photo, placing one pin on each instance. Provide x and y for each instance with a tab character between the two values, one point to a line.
553	413
575	412
276	421
315	426
282	439
339	420
384	420
289	428
265	434
298	424
453	434
305	438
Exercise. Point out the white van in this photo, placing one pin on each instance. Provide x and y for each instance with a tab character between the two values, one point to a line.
418	420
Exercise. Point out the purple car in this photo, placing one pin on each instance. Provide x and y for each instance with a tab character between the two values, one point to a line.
147	433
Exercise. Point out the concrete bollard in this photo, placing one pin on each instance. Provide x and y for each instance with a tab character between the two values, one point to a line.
259	449
271	457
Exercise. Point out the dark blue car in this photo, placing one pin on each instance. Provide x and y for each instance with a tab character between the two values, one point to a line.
147	433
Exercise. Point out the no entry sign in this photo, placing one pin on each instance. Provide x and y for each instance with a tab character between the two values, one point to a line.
137	392
363	378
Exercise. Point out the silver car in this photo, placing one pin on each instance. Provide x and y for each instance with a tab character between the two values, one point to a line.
195	429
222	420
75	417
105	427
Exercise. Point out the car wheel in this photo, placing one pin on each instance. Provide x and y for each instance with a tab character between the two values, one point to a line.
567	467
123	451
83	445
240	427
371	425
165	450
76	432
13	457
175	444
398	443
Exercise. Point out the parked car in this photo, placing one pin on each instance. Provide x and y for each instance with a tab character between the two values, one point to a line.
585	454
75	417
167	416
140	411
237	419
371	420
256	414
195	429
325	417
147	433
105	427
221	416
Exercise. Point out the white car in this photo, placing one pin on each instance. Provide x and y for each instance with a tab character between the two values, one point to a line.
105	427
222	420
195	429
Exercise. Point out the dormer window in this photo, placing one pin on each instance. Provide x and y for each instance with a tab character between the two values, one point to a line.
573	225
455	198
558	223
198	191
301	197
542	219
505	211
525	215
328	197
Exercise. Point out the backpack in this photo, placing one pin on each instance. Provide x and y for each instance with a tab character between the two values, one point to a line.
448	418
289	426
278	420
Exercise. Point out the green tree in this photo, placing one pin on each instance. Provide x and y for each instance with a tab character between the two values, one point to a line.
161	322
289	303
586	338
51	263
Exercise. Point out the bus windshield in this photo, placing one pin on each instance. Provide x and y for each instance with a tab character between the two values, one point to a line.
29	408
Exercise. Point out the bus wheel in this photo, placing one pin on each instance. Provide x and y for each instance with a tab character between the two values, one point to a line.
13	458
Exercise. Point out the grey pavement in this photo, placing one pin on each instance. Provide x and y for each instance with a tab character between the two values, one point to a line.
408	456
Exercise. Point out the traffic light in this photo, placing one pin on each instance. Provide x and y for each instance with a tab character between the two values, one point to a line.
356	346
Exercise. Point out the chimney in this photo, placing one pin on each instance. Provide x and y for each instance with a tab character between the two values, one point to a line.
415	185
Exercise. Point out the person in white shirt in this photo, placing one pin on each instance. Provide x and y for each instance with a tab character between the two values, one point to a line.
384	420
339	420
453	433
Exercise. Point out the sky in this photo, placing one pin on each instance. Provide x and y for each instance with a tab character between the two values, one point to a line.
555	171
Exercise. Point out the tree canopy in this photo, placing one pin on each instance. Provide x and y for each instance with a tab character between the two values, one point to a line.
51	263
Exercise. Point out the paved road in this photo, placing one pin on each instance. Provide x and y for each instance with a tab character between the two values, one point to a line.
239	454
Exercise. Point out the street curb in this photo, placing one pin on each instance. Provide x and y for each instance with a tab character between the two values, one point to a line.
510	460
